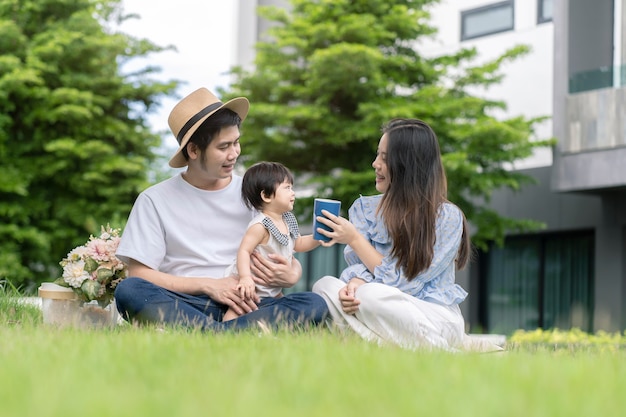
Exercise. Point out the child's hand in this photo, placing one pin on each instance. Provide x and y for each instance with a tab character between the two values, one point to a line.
246	288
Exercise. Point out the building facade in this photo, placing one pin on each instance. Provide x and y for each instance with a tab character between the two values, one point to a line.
572	273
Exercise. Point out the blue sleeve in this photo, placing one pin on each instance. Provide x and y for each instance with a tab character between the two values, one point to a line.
356	268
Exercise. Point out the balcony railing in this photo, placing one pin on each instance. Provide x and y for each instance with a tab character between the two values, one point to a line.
595	119
604	77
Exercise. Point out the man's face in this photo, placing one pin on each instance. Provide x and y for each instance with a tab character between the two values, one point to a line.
219	158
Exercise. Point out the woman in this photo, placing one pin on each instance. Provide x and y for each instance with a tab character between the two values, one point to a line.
403	248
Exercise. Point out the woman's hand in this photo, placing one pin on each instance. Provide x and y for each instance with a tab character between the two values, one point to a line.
342	230
275	270
349	303
345	232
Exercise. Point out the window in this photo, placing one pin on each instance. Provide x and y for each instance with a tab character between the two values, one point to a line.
487	20
544	11
540	281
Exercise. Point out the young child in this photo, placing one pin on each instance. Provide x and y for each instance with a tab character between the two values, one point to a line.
268	188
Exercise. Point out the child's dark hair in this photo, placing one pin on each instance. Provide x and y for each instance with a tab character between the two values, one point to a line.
263	177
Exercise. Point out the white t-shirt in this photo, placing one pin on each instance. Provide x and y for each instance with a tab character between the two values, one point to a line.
182	230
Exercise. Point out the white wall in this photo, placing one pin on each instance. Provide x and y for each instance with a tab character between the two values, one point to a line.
247	28
527	86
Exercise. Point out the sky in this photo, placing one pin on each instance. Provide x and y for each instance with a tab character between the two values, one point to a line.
203	31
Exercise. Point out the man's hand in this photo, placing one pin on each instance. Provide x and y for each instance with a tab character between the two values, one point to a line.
221	290
275	270
349	303
224	291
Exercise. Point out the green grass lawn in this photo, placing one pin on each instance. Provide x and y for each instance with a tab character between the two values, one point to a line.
131	371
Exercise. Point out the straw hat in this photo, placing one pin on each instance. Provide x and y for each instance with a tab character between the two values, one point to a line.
187	116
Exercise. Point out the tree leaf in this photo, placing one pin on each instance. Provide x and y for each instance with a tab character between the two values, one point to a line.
75	145
329	74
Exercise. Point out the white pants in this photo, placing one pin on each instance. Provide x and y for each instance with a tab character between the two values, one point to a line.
386	314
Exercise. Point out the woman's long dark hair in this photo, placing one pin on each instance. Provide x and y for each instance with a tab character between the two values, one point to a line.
417	189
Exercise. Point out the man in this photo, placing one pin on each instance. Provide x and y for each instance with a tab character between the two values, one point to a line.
183	232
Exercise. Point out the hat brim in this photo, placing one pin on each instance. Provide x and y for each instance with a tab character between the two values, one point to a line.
239	105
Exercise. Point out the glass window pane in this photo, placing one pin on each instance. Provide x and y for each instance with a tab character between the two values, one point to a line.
544	11
540	281
487	20
513	286
568	288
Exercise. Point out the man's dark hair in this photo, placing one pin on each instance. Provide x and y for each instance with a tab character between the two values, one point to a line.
210	128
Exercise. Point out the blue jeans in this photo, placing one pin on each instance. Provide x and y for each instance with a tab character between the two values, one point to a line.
141	301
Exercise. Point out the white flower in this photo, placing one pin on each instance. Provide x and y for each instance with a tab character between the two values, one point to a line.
77	254
74	273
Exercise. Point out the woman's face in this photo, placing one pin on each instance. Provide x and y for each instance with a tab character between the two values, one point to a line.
380	166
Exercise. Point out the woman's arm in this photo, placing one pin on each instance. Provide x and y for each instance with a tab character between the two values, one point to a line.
343	231
370	257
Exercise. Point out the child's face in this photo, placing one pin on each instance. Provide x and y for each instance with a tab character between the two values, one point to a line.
284	197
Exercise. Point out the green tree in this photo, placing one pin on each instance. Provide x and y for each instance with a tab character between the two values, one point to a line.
331	72
75	147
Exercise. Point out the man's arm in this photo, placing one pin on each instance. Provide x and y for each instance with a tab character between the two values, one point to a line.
221	290
275	270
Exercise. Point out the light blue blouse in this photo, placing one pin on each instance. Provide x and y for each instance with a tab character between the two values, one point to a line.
437	283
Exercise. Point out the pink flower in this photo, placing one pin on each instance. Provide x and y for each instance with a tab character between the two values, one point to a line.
94	261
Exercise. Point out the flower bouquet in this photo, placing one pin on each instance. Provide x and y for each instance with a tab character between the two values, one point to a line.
92	270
